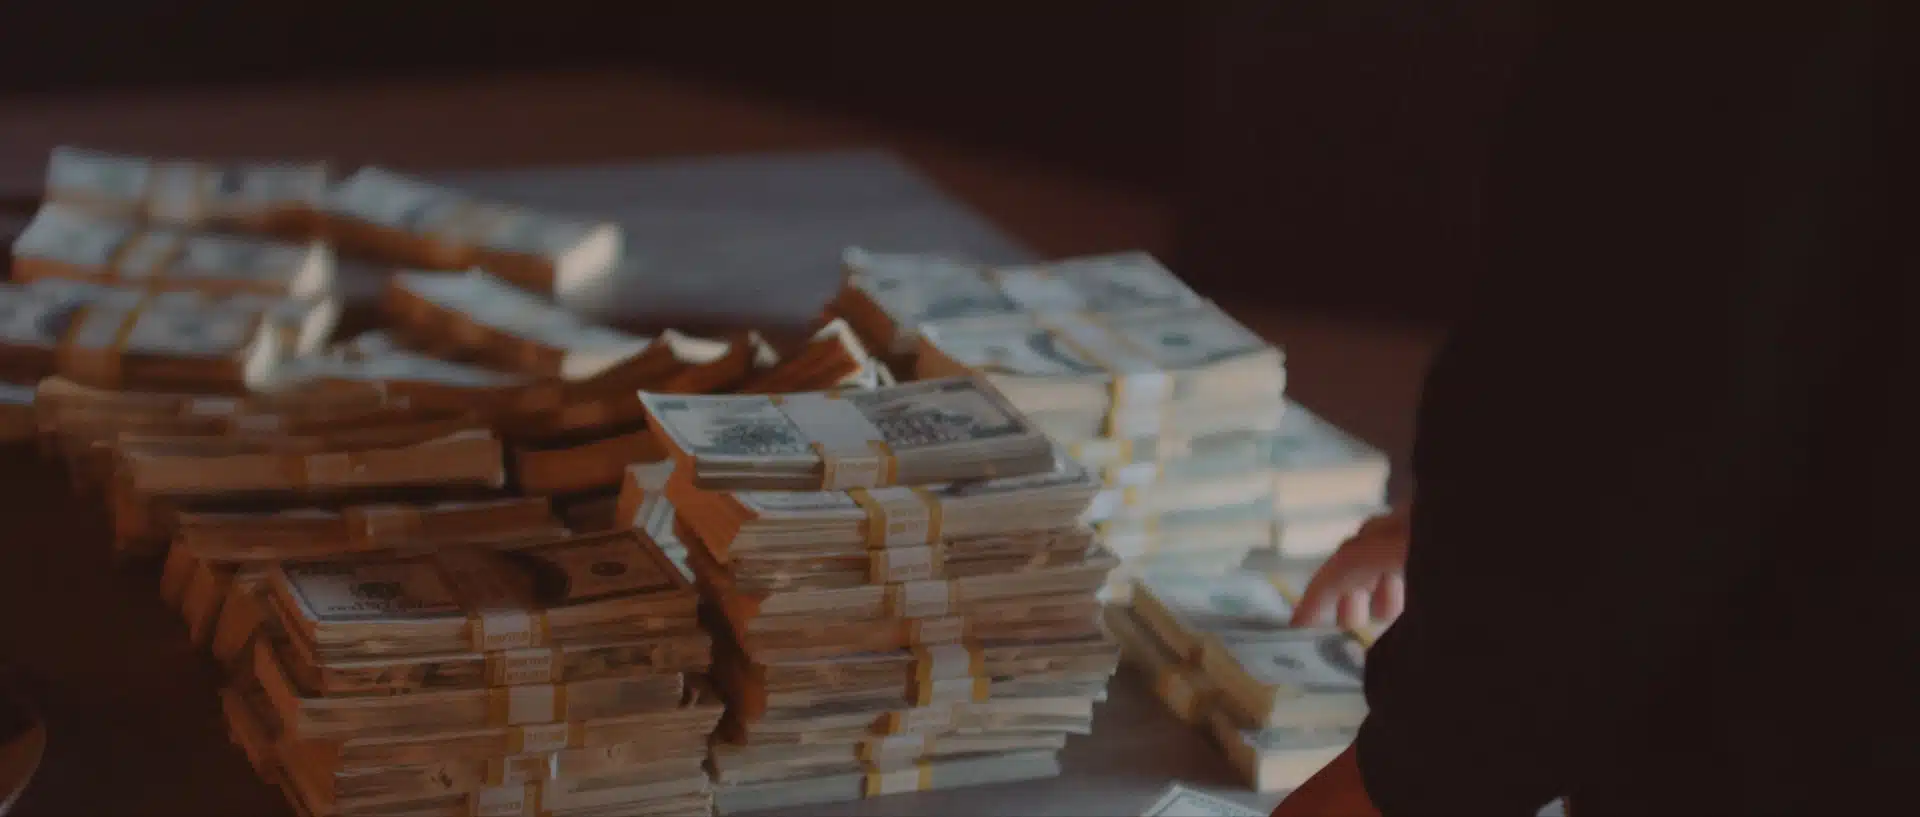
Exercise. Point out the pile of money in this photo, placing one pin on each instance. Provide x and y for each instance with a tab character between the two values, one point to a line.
383	214
876	632
561	676
1281	702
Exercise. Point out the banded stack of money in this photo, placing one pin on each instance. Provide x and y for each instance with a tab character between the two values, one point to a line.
411	223
888	297
1176	407
122	338
913	433
1280	701
1326	483
872	640
82	424
277	198
560	677
62	242
153	483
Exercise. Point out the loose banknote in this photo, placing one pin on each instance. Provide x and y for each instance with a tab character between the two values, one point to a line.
1180	801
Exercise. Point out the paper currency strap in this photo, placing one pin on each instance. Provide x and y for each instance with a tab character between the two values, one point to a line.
912	744
516	770
943	672
917	777
521	800
95	342
919	600
526	704
899	516
546	737
163	261
853	453
375	524
1137	376
906	564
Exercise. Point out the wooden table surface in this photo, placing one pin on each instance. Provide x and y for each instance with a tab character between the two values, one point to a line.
134	722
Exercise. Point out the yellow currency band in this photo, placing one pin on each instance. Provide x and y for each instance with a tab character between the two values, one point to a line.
1117	386
923	688
374	525
547	737
923	661
99	365
523	768
939	630
918	777
501	702
877	455
502	664
832	463
539	632
502	801
875	526
869	749
898	602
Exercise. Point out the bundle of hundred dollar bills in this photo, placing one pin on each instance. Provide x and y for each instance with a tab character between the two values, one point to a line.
1178	407
1219	651
914	607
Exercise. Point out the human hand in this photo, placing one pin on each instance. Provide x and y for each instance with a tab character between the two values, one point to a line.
1364	579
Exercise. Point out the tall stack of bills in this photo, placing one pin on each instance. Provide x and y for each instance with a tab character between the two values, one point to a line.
557	677
901	591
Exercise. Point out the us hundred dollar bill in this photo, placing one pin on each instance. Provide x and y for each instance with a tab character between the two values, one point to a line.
274	197
62	242
416	224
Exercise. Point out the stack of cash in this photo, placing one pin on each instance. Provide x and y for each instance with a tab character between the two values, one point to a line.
62	242
1178	409
1219	650
876	632
412	223
888	297
124	338
1326	483
560	676
282	199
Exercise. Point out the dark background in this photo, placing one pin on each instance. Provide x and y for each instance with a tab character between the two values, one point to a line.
1322	153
